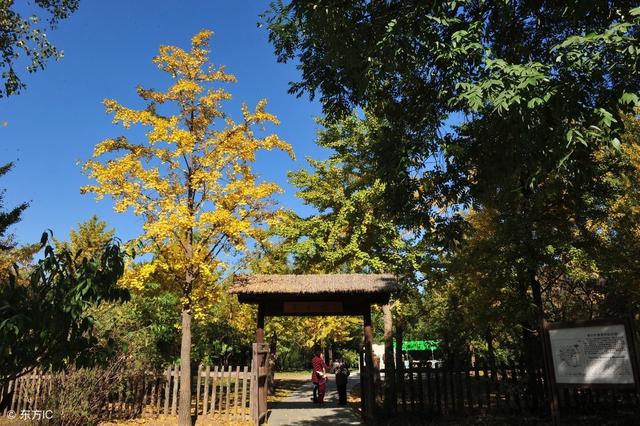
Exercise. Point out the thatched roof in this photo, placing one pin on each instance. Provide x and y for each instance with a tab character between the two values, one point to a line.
320	284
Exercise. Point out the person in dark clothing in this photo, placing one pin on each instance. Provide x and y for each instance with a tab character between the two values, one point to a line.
342	374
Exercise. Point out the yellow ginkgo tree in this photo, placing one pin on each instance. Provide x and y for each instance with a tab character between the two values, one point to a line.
190	180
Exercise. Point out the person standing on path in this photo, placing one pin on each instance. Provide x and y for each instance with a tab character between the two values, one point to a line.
318	375
322	387
342	374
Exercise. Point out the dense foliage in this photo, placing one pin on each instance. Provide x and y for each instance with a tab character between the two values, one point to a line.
497	130
44	322
11	254
25	38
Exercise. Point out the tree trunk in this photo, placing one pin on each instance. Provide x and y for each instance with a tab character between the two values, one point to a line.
531	343
184	405
390	398
491	357
399	361
488	337
370	370
536	362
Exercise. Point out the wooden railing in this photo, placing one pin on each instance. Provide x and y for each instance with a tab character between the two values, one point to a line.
503	389
224	393
218	392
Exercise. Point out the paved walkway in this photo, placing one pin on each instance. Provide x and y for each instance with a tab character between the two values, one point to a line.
299	410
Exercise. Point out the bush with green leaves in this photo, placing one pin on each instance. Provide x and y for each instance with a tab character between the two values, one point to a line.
145	329
45	320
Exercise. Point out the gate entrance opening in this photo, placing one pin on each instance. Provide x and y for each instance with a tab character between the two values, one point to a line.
313	295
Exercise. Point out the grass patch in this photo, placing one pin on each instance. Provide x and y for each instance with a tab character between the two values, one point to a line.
301	374
15	422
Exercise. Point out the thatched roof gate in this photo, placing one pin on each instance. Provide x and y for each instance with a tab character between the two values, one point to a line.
320	294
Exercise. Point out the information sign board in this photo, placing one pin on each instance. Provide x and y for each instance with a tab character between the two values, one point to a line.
591	355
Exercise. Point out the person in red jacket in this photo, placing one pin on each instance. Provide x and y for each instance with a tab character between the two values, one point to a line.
318	376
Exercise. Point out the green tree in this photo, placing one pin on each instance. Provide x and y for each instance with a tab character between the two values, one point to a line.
25	37
351	231
616	235
10	217
44	323
144	330
11	255
414	63
539	91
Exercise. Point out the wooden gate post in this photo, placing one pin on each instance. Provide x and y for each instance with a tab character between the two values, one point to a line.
260	371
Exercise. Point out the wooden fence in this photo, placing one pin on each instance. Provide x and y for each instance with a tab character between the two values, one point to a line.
217	392
503	389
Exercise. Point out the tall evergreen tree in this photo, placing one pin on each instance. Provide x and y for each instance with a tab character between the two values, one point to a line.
9	217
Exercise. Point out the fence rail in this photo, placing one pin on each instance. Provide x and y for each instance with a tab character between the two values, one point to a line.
503	389
218	392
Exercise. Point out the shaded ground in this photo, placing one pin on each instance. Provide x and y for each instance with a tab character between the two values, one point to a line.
286	383
297	409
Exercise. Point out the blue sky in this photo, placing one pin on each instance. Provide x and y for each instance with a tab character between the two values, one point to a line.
108	47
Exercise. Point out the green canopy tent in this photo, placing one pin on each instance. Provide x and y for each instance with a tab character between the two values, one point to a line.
420	345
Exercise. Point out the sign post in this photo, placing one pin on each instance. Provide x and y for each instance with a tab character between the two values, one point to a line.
549	377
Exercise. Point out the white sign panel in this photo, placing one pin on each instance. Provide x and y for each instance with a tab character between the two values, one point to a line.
591	355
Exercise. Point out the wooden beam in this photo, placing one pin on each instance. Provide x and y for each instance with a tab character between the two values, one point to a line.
349	298
301	308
